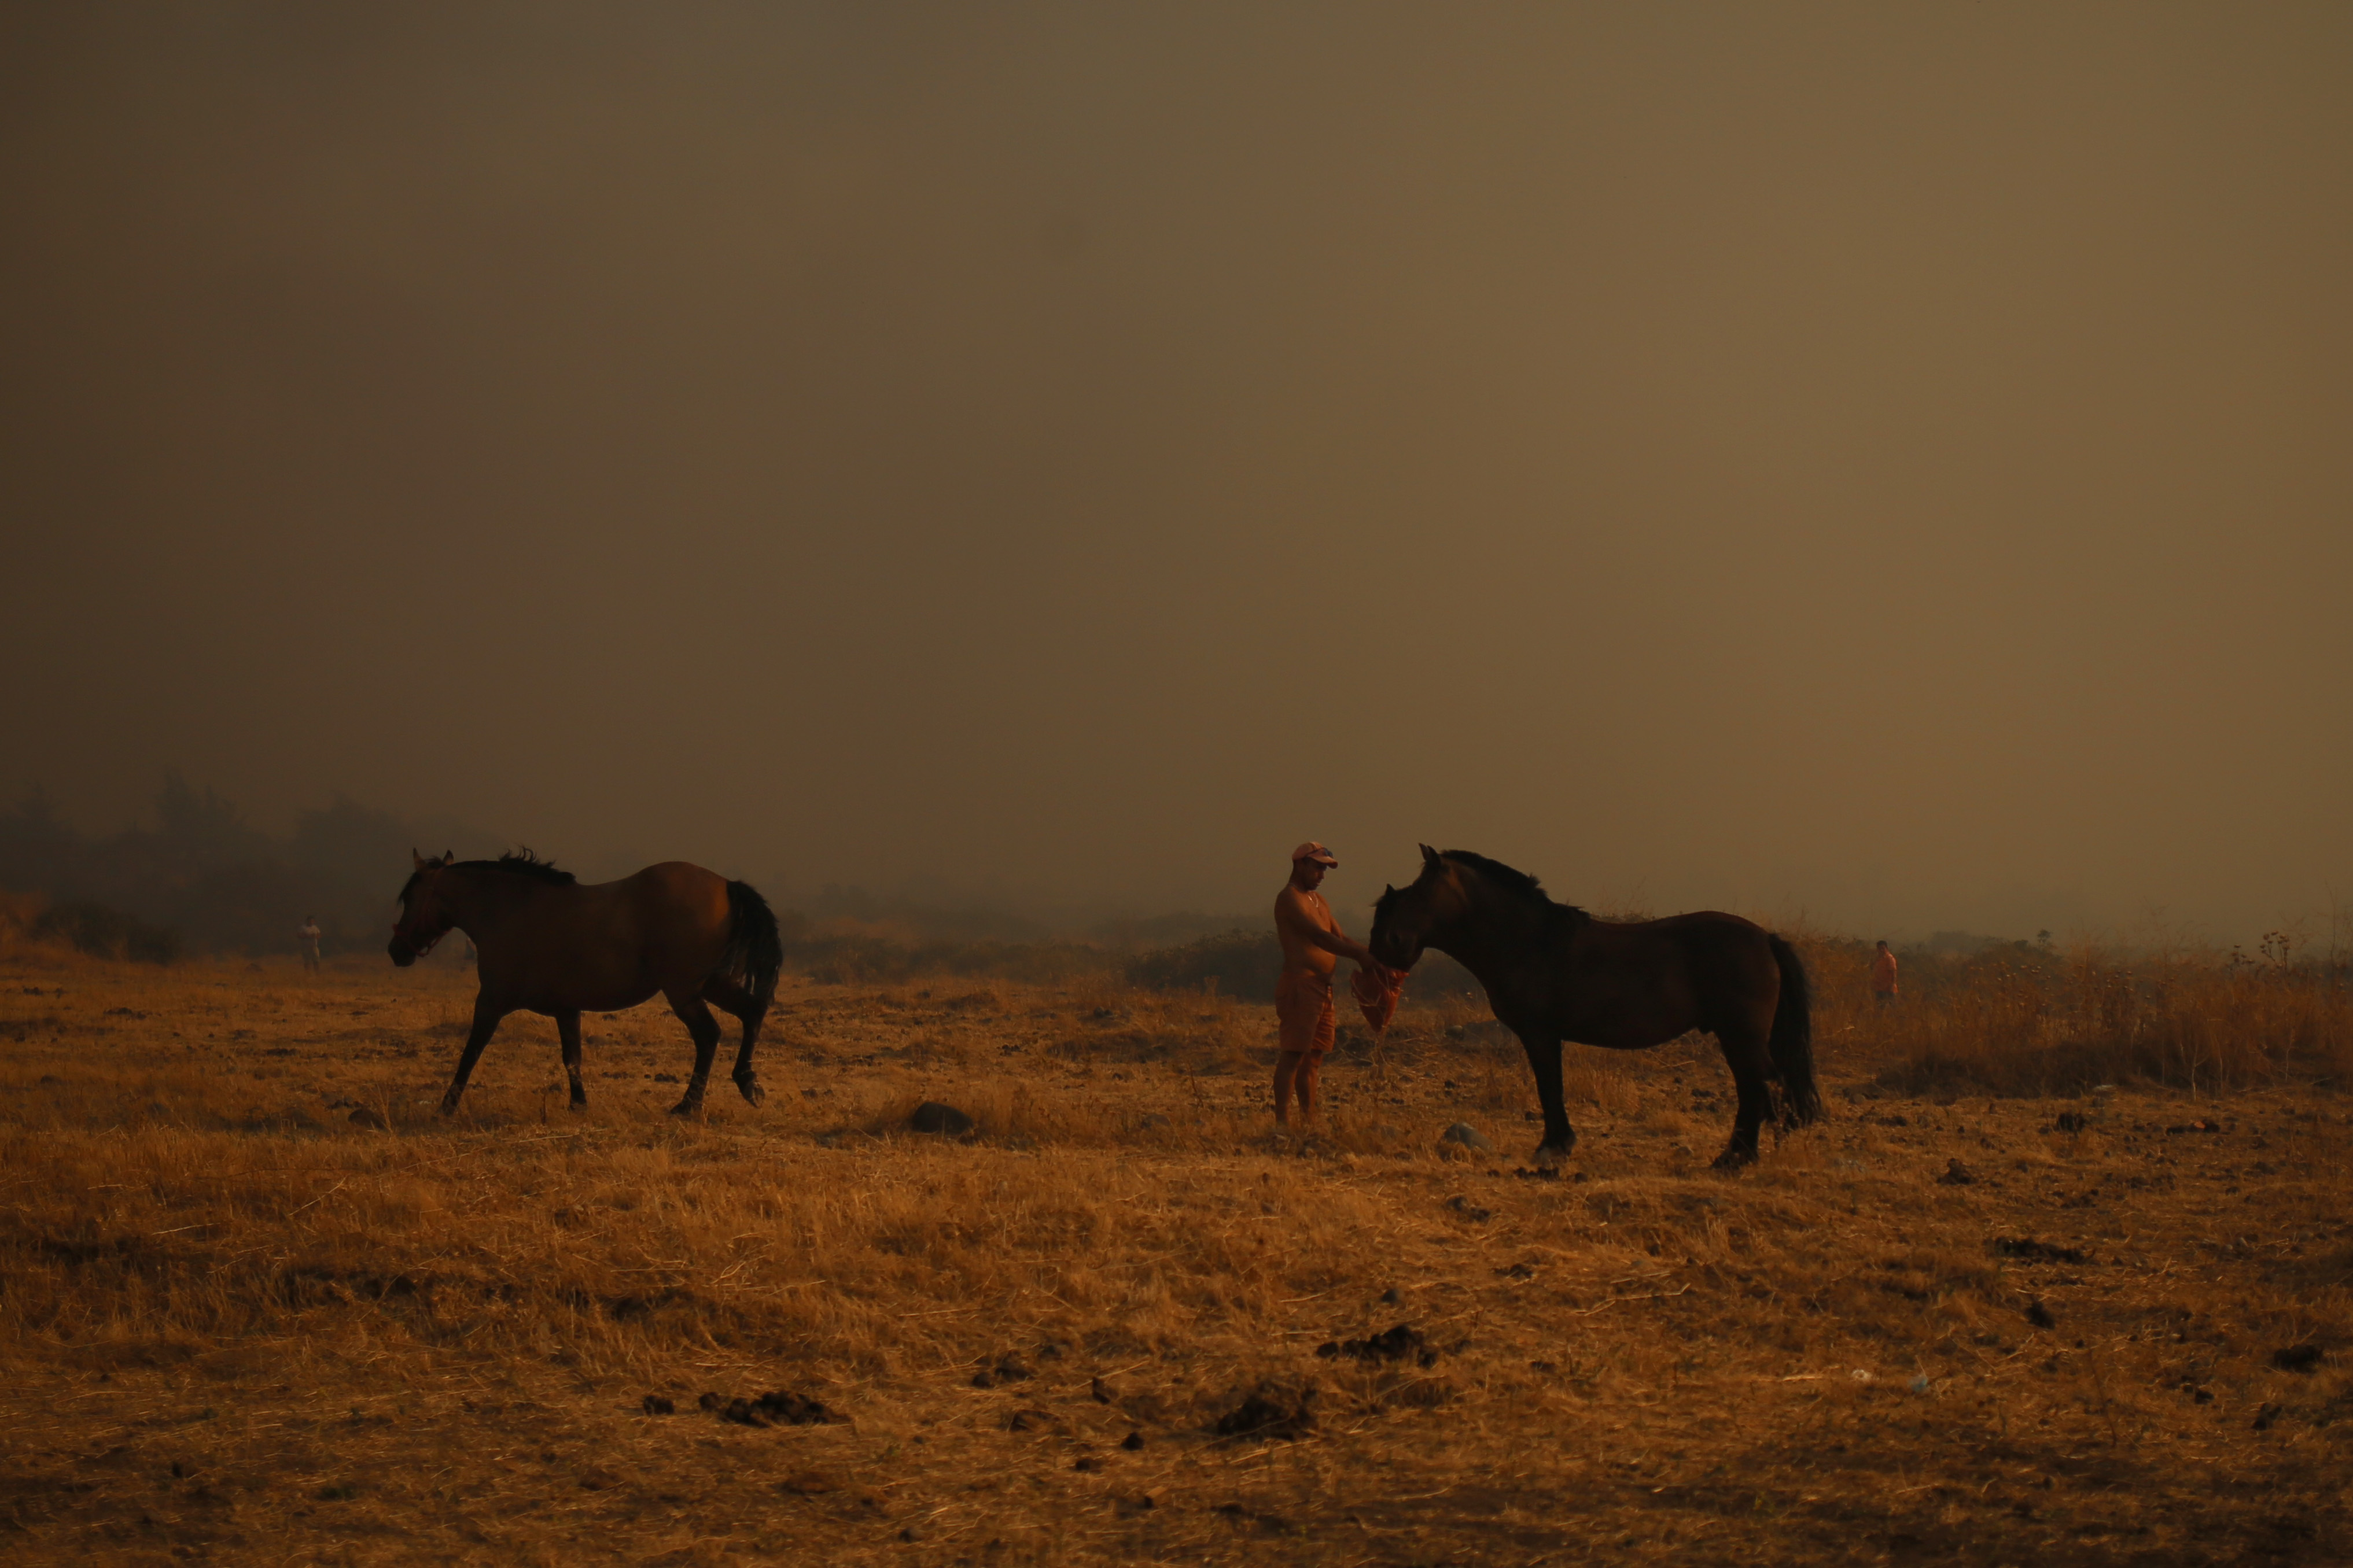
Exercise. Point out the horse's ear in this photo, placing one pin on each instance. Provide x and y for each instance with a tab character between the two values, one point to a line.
413	854
1388	891
1428	856
448	856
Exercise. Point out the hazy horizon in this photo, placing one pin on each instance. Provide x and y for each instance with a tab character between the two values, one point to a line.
1886	466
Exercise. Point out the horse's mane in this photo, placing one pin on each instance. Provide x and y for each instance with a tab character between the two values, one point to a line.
520	862
1516	884
523	863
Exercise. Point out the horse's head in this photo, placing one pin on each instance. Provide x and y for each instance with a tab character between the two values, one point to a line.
1404	919
425	917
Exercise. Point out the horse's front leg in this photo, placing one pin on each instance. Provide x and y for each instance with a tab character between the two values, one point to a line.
1544	1060
567	1029
487	1015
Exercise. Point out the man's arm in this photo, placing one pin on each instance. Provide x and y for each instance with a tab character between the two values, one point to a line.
1295	914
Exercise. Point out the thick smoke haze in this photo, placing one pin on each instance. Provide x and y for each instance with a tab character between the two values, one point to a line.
1890	464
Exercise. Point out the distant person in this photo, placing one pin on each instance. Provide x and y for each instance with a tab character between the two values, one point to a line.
1313	946
1882	976
310	937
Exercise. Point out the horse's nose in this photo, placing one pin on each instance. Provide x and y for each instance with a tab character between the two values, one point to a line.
402	955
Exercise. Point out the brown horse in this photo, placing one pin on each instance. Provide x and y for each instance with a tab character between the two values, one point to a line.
1553	972
549	945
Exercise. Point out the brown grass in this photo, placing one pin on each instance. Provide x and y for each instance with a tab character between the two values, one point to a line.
2026	1020
236	1324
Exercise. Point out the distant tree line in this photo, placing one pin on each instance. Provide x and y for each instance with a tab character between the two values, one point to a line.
202	878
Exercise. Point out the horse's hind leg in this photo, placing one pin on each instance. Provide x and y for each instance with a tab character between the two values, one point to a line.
729	997
1544	1060
1752	1078
690	1011
567	1029
486	1023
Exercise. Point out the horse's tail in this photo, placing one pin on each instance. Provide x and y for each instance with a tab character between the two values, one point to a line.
1792	1045
755	953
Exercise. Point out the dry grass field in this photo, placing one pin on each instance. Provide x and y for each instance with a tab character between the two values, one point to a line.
256	1303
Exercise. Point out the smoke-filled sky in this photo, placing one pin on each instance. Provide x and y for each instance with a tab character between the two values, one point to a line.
1892	464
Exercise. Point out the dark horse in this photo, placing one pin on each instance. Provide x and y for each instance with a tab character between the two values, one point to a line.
1553	972
549	945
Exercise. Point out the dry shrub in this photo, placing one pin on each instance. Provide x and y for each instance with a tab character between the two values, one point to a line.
2022	1020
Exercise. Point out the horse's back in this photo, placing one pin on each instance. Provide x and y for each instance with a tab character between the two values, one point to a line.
1717	942
679	885
1702	970
608	945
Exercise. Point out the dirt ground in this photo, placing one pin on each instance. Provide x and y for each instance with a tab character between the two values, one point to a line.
257	1302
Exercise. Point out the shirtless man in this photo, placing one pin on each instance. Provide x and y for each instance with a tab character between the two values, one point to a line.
1882	976
1313	946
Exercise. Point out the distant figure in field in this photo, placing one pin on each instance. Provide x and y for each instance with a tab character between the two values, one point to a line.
1882	977
1313	946
310	938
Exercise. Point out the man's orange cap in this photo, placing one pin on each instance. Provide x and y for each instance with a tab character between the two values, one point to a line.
1311	850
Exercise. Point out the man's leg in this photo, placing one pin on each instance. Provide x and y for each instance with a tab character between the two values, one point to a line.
1308	1080
1286	1070
1310	1076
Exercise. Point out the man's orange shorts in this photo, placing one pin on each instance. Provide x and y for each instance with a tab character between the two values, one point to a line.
1302	1008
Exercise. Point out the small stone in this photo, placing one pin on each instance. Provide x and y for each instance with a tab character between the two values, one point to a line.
363	1117
1271	1412
2296	1358
1131	1442
945	1121
1402	1342
1470	1137
656	1405
1955	1174
793	1409
2040	1315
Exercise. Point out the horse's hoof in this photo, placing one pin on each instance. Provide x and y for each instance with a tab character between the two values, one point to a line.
450	1105
687	1108
1734	1158
752	1093
1555	1151
579	1108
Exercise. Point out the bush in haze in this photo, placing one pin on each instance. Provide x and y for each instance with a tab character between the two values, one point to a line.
102	932
205	872
1238	964
841	950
